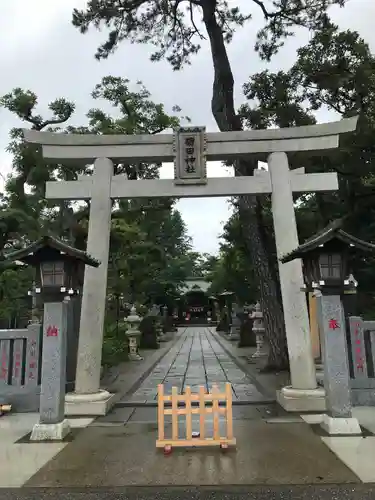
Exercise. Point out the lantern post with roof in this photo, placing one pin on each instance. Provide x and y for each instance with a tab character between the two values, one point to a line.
326	258
59	272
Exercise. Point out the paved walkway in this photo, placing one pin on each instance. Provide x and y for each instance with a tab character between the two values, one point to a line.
197	359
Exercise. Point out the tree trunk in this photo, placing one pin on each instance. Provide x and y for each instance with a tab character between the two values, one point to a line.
227	120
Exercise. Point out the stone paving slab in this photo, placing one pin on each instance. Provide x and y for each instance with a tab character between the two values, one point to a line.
197	359
123	456
117	415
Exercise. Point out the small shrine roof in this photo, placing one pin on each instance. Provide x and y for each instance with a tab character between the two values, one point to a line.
332	231
27	254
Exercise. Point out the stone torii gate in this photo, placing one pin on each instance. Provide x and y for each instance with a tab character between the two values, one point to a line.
189	148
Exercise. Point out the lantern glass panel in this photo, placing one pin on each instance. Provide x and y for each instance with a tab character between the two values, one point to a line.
53	273
330	266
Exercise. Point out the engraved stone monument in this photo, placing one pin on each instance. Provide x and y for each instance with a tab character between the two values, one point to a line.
52	423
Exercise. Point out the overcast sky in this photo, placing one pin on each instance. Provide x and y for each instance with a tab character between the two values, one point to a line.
41	51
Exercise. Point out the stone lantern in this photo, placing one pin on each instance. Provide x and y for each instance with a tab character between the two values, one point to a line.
59	274
326	264
59	269
326	259
258	329
133	333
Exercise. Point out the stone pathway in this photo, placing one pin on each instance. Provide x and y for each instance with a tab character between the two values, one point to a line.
197	359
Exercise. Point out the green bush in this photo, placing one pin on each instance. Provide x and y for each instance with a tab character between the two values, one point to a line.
115	344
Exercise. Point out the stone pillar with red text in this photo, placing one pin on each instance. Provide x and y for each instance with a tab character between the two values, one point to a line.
52	425
338	419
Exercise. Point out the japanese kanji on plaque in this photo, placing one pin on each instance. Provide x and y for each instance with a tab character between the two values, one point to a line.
190	155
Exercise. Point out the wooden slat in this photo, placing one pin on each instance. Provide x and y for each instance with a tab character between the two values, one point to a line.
174	414
202	410
195	397
196	442
160	412
229	414
215	407
188	413
195	411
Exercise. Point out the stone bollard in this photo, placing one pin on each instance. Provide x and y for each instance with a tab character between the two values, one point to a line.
258	329
133	333
339	418
52	425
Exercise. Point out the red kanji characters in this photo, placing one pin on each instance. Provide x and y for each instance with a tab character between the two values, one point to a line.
333	324
52	331
17	364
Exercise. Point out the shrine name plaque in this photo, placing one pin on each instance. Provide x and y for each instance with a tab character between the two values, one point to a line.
189	147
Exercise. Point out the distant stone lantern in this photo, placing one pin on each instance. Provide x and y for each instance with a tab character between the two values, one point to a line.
326	264
133	333
59	268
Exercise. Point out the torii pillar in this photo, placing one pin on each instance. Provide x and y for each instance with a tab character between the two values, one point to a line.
303	394
88	398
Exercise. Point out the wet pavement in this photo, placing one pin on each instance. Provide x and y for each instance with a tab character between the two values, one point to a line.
249	492
197	359
115	456
119	449
125	455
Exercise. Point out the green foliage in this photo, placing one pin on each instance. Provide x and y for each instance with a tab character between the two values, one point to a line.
115	344
335	71
174	28
14	285
148	237
232	270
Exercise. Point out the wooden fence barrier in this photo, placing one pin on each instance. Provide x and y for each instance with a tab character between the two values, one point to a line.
205	404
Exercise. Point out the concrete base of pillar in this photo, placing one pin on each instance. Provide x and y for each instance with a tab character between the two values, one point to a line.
335	426
90	405
50	432
302	400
